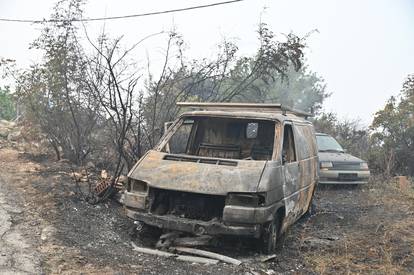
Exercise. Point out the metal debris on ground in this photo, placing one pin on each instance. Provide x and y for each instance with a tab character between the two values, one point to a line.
160	253
268	258
173	239
175	243
208	254
106	182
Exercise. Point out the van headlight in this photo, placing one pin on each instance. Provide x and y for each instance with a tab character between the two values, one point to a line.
326	164
245	199
139	186
363	166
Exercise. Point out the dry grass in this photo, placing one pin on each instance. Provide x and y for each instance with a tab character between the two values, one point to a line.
386	249
355	257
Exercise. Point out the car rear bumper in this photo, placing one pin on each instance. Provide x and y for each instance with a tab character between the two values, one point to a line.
194	226
343	177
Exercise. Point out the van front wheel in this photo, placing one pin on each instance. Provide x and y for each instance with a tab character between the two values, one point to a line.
270	236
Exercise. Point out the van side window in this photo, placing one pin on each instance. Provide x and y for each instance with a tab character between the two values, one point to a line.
288	150
305	136
178	142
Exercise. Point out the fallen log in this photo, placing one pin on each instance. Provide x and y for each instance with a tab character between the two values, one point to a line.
208	254
155	252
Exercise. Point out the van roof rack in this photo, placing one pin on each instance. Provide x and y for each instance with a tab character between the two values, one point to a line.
258	107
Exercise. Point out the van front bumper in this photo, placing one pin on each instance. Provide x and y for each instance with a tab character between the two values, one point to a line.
195	226
343	177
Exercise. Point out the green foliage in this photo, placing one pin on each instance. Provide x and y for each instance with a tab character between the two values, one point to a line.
7	104
54	92
393	132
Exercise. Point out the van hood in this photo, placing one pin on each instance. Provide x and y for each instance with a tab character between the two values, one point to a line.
338	157
192	173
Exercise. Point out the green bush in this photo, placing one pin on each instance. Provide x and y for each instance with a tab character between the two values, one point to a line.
7	107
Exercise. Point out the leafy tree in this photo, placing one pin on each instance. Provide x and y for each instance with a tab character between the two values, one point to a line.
54	91
393	136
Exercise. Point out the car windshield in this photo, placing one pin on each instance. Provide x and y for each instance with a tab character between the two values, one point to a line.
328	144
223	138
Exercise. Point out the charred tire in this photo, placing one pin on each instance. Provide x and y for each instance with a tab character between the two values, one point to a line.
270	236
146	230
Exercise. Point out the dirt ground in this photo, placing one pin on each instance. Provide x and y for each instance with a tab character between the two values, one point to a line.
46	228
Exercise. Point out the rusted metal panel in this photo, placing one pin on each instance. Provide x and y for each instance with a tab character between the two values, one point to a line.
248	114
198	177
257	107
195	226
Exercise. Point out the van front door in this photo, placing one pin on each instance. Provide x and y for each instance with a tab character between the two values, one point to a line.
291	173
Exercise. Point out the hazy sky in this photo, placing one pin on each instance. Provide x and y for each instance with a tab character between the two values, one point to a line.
363	50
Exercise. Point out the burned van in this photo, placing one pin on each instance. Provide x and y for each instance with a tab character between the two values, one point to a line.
228	169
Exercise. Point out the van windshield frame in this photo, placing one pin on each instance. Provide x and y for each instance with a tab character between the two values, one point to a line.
222	137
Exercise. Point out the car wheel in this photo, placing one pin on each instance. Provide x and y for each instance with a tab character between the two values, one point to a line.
270	236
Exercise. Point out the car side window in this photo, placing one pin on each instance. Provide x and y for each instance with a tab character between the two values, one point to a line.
288	150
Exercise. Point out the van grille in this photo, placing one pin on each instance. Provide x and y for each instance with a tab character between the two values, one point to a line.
186	205
200	160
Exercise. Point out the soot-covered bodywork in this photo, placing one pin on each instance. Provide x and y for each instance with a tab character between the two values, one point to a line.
226	169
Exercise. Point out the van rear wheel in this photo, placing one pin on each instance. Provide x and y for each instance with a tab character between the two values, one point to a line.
270	236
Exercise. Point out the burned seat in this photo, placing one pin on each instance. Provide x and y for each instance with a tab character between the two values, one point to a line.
219	151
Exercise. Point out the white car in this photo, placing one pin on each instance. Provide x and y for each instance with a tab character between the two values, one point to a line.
338	167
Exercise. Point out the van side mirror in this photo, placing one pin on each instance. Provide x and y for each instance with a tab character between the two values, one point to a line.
251	130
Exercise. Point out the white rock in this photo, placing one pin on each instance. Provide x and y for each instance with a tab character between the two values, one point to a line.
47	233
